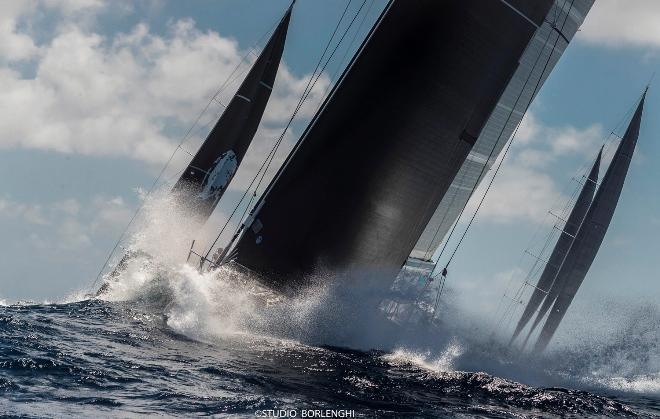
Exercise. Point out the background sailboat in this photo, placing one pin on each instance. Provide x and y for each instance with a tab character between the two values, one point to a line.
205	179
545	285
592	231
207	176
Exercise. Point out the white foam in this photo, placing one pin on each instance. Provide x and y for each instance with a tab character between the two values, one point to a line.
644	384
440	364
223	304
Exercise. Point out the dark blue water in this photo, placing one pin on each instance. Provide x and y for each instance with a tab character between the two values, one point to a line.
99	358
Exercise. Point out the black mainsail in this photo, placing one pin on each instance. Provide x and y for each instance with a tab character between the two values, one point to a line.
369	171
206	178
545	287
542	54
593	229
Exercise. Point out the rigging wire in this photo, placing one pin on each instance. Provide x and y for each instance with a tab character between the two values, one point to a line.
511	309
481	175
506	150
232	76
519	293
538	263
610	142
240	228
490	156
316	74
277	143
427	254
342	63
263	174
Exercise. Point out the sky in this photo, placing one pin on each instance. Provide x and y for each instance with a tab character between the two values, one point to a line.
96	95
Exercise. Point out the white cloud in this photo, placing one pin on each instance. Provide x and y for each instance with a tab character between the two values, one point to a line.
14	46
72	235
29	213
556	141
487	290
525	188
69	225
111	214
18	18
529	128
68	206
120	95
70	7
622	23
519	194
125	95
571	140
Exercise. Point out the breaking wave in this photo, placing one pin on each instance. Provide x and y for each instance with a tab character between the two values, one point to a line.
219	304
215	304
123	358
163	326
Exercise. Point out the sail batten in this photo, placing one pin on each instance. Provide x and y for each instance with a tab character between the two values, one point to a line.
358	190
592	231
545	289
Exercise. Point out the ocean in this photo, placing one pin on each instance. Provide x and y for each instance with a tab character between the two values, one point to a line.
188	344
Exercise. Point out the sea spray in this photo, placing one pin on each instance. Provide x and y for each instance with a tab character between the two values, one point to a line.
222	304
625	359
443	363
218	305
108	359
330	310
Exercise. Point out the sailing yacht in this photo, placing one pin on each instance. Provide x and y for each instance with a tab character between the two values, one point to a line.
358	190
204	181
560	250
207	176
577	247
537	62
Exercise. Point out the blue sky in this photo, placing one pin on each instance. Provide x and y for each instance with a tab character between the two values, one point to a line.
97	94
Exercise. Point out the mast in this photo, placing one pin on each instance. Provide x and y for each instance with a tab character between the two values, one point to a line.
206	178
592	232
546	283
358	190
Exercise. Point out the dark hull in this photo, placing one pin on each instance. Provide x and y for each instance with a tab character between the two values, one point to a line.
371	168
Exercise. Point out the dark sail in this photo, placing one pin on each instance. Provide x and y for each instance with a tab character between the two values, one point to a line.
369	171
546	281
593	229
543	52
207	176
